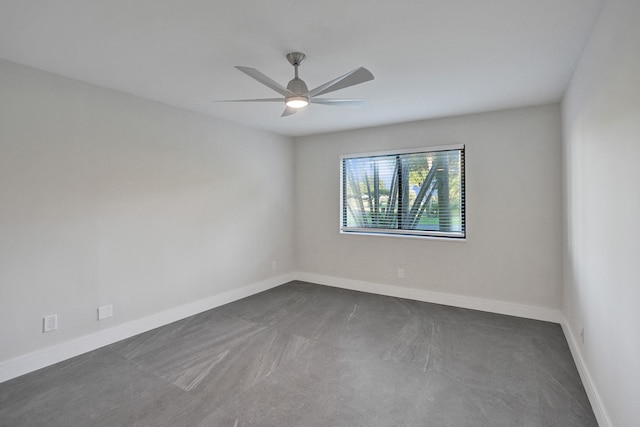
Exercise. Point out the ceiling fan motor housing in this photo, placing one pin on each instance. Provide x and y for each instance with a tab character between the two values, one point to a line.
297	86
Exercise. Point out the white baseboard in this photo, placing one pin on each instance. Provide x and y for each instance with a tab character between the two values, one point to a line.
48	356
493	306
592	392
500	307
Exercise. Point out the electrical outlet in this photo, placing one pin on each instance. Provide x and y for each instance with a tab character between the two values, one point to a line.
582	334
50	323
401	273
274	265
105	312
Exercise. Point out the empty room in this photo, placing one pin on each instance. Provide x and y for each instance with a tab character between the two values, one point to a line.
338	213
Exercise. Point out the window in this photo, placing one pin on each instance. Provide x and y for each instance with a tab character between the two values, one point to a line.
410	192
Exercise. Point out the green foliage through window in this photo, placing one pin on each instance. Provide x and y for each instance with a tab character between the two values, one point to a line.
418	192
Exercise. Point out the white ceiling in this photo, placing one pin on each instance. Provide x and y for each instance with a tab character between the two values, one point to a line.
429	58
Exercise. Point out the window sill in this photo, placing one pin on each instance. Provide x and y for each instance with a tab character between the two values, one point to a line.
406	236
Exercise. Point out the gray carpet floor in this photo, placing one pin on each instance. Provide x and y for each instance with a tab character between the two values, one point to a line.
309	355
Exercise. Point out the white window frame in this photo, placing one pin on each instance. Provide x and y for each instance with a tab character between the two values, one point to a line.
456	236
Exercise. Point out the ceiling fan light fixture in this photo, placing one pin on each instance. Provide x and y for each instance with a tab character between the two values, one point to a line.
297	101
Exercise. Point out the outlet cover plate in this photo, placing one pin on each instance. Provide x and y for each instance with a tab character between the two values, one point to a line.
50	323
105	312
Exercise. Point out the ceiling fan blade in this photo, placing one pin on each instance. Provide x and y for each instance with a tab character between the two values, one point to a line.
357	76
339	102
267	81
288	111
253	100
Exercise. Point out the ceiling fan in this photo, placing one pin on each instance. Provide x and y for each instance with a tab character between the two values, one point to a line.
296	95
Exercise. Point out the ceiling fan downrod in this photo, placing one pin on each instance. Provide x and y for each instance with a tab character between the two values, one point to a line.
297	85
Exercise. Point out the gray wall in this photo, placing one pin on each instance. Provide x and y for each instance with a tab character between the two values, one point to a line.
513	248
106	198
601	112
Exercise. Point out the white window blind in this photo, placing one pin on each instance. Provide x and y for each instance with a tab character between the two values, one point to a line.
411	192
